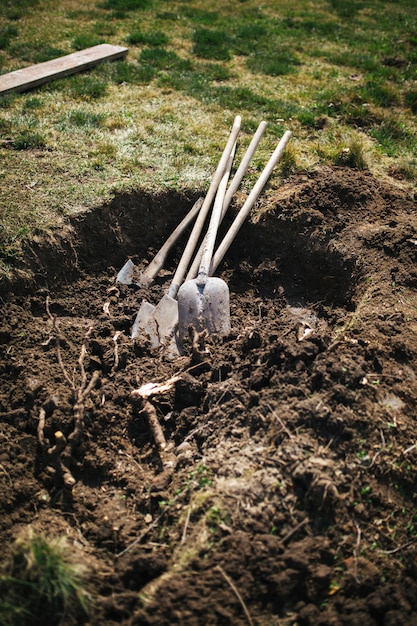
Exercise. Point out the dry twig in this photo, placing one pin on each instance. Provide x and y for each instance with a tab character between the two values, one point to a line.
237	594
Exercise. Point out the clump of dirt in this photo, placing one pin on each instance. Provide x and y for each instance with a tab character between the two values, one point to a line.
273	480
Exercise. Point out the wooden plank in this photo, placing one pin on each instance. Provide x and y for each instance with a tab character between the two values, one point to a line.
34	75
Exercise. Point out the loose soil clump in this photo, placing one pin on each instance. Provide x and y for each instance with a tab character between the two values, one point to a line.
272	480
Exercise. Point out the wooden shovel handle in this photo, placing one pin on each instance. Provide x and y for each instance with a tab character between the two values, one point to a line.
236	180
240	172
158	261
250	201
199	223
210	238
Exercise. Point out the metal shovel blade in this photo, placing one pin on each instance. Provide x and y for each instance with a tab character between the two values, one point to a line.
158	322
125	275
204	306
142	318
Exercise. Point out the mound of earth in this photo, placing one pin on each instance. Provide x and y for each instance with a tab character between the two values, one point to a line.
270	478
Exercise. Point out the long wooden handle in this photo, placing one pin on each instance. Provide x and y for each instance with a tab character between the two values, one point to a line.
240	172
236	180
210	238
250	201
158	261
198	226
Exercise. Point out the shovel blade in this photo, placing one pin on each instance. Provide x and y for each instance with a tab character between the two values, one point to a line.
159	324
125	275
204	306
129	274
143	316
162	324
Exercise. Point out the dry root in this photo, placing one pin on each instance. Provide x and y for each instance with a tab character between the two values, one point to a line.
166	455
60	455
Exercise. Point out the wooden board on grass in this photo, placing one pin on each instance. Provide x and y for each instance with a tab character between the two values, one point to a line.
34	75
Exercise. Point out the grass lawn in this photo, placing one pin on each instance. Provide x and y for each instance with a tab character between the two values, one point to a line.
342	76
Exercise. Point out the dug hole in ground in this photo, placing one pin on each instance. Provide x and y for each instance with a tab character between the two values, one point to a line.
282	487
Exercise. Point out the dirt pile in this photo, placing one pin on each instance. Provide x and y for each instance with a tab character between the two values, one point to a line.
283	489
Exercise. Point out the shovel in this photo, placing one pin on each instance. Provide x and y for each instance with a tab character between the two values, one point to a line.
235	182
127	275
202	308
250	201
159	322
203	302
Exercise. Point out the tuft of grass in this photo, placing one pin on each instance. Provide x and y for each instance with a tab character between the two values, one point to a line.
393	137
352	155
288	164
404	169
86	40
411	100
132	73
35	52
163	59
43	583
32	103
381	93
86	119
201	16
16	10
346	9
273	63
28	139
6	35
87	87
248	36
211	44
151	38
7	101
123	6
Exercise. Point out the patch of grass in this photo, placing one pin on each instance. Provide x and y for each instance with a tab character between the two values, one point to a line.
381	94
201	16
106	29
288	163
6	35
131	73
393	136
36	51
346	9
86	40
247	36
43	583
163	59
85	119
410	98
405	168
14	10
8	100
352	155
151	38
32	103
273	63
122	6
211	44
28	139
87	87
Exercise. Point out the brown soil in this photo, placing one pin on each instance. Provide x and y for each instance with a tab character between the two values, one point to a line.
286	491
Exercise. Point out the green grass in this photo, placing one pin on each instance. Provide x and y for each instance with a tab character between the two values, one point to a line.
341	76
43	584
151	38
